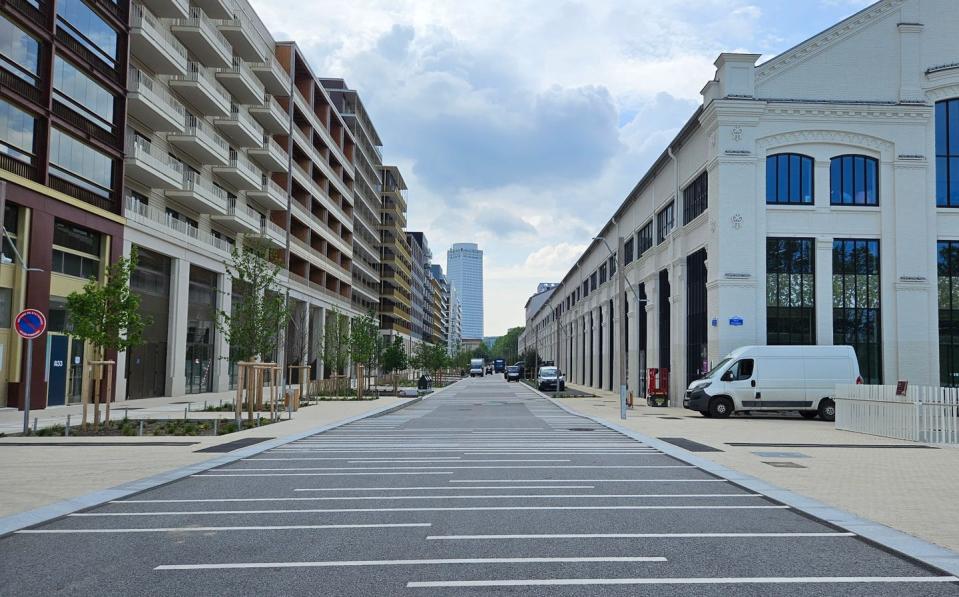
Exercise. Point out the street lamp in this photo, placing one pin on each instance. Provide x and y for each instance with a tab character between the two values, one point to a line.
622	281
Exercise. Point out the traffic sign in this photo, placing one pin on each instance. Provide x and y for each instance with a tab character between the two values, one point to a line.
30	323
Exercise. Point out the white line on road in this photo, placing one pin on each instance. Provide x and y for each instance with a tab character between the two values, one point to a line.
346	563
639	536
450	459
443	497
682	581
446	487
206	529
430	509
421	468
207	476
589	480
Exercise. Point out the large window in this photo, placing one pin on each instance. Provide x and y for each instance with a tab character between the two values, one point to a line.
789	179
19	52
948	258
16	135
695	198
76	250
856	305
628	251
790	291
602	274
80	164
665	220
947	153
644	239
90	31
82	94
854	180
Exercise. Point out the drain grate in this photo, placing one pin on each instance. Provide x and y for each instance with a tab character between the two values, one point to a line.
688	444
783	464
582	429
235	445
761	445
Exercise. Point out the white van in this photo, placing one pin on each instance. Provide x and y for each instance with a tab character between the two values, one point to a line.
477	367
771	378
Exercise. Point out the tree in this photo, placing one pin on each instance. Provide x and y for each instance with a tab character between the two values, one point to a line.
506	346
394	359
482	352
336	343
461	360
366	343
108	315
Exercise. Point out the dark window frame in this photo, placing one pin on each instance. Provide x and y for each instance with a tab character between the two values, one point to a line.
665	222
779	192
695	198
844	169
947	265
857	281
947	153
790	290
644	239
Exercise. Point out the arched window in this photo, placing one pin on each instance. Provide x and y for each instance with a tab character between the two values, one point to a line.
789	179
854	180
947	153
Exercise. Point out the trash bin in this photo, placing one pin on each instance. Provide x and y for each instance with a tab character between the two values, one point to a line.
423	383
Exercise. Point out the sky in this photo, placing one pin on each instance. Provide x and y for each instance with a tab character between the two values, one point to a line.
521	125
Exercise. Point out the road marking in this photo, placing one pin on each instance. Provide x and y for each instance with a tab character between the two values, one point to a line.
683	581
442	497
589	480
447	487
204	476
420	468
451	459
430	509
249	528
638	536
348	563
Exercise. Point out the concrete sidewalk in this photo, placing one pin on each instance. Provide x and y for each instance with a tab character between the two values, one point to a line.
38	475
893	482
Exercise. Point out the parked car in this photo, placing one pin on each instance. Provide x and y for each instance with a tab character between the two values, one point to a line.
499	365
775	378
549	377
512	373
477	367
522	368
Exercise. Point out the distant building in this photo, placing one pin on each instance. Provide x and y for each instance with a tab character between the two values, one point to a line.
464	267
451	310
471	343
489	341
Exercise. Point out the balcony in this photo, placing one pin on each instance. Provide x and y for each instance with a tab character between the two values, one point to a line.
169	9
269	195
148	165
216	9
163	223
154	45
240	172
200	88
271	115
270	155
201	142
271	233
240	127
238	218
276	80
370	294
200	195
153	105
241	82
201	37
243	36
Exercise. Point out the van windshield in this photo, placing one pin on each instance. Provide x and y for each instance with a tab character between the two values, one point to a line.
719	366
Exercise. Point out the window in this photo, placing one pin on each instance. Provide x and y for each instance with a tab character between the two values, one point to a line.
664	222
6	304
592	281
695	198
80	164
854	180
947	153
644	239
611	265
790	291
82	94
948	260
742	370
87	28
11	216
19	52
16	133
789	179
628	251
602	274
76	250
856	307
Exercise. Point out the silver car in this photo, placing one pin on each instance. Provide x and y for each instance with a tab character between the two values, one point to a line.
548	377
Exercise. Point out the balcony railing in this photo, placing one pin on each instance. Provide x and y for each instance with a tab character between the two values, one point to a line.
139	211
196	127
147	152
142	83
205	187
199	20
243	164
204	75
143	18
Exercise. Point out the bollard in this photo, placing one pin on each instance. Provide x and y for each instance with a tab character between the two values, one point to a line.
216	426
289	410
204	405
34	425
185	411
188	405
141	427
66	430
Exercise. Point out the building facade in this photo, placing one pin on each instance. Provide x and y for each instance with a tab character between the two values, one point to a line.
421	291
464	269
63	76
811	199
395	260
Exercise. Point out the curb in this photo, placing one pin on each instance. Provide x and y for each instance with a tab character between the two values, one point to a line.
15	522
881	535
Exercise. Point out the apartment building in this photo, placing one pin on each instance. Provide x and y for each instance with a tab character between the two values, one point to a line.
421	316
367	204
810	199
396	267
63	68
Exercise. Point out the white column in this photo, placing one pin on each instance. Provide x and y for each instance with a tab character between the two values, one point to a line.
221	360
176	331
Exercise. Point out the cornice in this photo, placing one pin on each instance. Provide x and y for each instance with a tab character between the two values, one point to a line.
824	136
909	112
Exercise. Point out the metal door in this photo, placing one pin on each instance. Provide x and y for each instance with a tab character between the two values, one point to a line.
57	367
76	371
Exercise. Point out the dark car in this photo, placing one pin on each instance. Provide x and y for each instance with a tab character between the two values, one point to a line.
521	366
512	373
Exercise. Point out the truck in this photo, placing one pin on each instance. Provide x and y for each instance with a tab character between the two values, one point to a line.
499	365
477	367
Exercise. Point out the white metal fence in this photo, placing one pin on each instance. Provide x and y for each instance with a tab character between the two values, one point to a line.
924	414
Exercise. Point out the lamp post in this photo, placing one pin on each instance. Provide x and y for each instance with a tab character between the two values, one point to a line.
621	291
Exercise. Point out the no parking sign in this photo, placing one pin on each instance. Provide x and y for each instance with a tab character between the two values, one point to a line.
30	323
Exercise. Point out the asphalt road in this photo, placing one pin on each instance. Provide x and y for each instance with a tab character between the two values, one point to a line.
484	489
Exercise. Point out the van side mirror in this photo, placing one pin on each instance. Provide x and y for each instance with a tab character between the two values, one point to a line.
727	376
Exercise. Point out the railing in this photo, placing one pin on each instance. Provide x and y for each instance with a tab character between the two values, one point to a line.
202	186
241	68
244	165
924	414
242	212
316	286
200	129
273	65
139	211
270	144
199	19
142	83
145	151
241	115
141	17
203	75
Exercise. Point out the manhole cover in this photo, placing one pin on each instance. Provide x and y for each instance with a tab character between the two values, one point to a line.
784	464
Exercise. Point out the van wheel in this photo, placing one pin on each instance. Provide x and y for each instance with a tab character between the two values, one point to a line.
827	409
720	408
808	414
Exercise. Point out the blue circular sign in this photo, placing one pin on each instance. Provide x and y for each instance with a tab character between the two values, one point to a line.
30	323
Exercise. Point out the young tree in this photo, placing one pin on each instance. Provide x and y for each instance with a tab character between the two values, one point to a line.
366	343
108	315
336	343
394	359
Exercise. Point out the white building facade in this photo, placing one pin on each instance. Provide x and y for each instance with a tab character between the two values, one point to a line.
811	199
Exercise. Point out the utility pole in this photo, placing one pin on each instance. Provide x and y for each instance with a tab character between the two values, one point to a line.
621	299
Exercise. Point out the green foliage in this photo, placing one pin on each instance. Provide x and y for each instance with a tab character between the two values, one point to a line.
507	347
461	360
431	357
482	352
366	343
394	357
259	310
336	342
108	315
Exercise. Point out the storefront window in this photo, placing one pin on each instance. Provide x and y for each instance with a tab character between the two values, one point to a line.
790	291
948	279
856	303
201	319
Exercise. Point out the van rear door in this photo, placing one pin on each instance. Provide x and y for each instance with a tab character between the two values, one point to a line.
824	373
780	384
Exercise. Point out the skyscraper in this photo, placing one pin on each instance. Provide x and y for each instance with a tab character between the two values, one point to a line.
464	266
